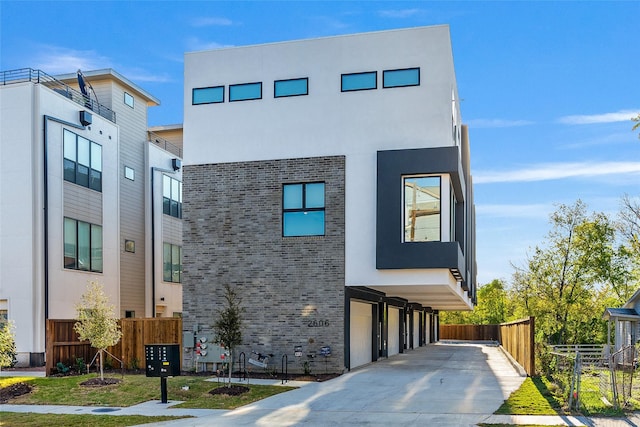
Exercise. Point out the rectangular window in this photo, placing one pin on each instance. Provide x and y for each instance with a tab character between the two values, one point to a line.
129	314
207	95
82	245
421	209
303	209
128	99
293	87
171	197
359	81
129	173
171	263
245	92
82	161
400	78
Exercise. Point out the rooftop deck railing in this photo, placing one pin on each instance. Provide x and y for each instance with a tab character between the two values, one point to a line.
24	75
164	144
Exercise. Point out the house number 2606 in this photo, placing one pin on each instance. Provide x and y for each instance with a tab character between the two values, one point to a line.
318	323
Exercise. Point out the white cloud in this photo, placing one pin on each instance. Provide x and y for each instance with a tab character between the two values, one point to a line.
58	60
211	21
497	123
618	116
195	44
553	171
399	13
140	75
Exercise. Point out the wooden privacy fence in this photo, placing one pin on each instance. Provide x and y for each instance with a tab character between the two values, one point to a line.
517	338
64	346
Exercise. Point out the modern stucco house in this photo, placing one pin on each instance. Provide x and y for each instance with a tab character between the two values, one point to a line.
88	193
328	181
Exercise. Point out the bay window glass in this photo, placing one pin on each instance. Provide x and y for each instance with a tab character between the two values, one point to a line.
422	209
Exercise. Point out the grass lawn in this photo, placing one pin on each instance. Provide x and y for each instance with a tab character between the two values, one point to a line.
134	389
532	398
57	420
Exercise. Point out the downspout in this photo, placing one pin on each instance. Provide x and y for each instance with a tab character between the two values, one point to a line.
45	170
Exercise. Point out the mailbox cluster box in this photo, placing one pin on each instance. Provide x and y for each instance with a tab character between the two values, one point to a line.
162	360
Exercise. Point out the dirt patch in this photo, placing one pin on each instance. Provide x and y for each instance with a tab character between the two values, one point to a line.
97	382
14	390
234	390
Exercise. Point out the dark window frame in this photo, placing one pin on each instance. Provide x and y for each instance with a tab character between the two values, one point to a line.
275	83
76	265
304	208
91	173
245	84
384	86
168	203
193	91
342	76
171	270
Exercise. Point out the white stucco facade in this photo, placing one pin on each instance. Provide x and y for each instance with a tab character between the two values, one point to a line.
328	122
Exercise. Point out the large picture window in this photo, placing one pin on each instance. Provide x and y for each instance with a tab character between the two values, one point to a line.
172	263
82	161
171	197
82	245
421	208
303	209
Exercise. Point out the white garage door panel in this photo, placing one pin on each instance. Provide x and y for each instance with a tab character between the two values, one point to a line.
393	347
360	332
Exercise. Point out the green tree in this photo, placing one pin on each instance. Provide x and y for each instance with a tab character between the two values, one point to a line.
637	125
228	324
96	321
492	308
559	282
7	345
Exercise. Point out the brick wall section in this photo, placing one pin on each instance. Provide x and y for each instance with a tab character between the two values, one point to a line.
233	234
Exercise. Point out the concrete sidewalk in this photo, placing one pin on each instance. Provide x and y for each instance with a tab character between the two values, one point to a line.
437	385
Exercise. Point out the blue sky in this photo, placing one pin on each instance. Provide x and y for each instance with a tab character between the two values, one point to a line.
548	88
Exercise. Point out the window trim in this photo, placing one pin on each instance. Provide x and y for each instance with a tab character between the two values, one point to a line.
342	76
384	86
304	209
245	84
275	84
193	92
129	97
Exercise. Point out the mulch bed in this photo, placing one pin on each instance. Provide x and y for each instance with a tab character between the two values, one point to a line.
234	390
97	382
14	390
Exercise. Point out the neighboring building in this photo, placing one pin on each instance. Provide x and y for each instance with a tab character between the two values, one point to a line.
76	173
328	180
626	326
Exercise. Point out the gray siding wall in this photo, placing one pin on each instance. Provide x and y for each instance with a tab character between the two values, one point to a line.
82	203
292	289
133	137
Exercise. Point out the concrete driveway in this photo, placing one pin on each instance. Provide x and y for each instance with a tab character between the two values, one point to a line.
437	385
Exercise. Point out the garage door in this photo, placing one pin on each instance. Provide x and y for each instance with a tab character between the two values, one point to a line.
416	330
360	333
393	347
427	328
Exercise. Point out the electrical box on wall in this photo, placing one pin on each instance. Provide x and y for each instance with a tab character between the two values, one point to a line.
162	360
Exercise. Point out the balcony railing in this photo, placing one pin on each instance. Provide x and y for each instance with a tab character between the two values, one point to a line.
164	144
23	75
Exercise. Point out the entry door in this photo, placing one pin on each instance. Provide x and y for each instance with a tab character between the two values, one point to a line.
394	331
361	332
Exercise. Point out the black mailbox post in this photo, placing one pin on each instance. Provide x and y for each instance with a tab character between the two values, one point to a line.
162	360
